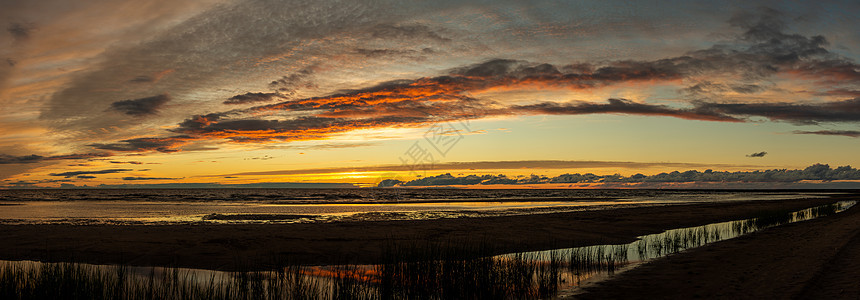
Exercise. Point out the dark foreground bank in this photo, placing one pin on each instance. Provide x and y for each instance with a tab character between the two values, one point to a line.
815	259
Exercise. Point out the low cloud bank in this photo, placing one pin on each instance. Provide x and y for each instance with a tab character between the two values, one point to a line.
820	172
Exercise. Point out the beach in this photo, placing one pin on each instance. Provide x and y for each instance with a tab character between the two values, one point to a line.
260	246
815	259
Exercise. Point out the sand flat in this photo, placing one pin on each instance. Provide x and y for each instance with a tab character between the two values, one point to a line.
253	246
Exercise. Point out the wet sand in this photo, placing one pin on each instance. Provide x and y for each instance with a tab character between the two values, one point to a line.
255	246
815	259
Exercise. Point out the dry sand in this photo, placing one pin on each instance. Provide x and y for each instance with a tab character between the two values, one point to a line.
231	247
816	259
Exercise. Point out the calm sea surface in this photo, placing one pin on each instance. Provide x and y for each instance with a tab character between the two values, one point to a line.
327	205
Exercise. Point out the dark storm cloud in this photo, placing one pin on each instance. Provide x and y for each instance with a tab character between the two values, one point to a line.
34	182
142	106
78	156
621	106
848	133
9	159
764	29
26	159
500	72
757	154
760	51
166	144
20	31
251	125
797	113
252	98
708	87
300	128
77	173
126	162
147	178
746	88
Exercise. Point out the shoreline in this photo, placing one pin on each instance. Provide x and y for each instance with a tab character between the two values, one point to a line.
249	246
814	259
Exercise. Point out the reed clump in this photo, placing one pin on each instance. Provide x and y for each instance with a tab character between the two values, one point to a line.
433	272
22	280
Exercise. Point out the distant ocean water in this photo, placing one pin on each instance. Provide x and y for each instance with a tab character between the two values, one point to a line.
166	206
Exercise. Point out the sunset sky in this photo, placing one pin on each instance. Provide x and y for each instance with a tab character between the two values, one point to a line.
181	91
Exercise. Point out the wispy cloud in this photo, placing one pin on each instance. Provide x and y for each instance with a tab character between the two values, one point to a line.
147	178
624	106
492	165
142	106
126	162
798	113
166	144
757	154
21	31
78	173
33	158
848	133
151	78
252	98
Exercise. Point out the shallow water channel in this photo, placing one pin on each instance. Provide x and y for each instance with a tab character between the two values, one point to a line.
430	274
594	263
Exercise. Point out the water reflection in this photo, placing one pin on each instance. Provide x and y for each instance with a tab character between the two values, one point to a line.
144	212
594	262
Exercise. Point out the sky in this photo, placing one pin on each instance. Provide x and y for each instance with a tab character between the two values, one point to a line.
113	92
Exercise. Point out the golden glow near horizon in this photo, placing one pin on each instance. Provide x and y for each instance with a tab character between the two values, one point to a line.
232	92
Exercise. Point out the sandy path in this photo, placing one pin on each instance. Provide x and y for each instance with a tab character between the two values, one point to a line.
816	259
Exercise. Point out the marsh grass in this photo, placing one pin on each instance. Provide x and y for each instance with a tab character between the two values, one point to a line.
427	273
432	272
23	280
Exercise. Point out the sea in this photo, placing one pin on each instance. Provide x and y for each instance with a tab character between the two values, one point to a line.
228	206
